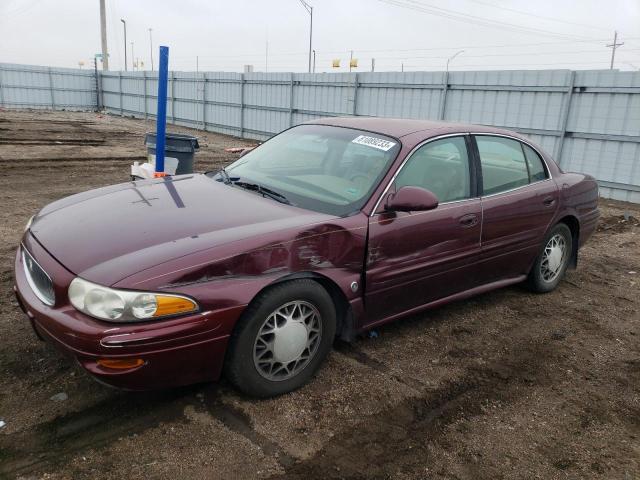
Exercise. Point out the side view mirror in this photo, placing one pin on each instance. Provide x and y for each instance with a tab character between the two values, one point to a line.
411	199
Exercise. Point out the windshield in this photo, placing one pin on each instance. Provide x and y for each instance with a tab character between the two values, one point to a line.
327	169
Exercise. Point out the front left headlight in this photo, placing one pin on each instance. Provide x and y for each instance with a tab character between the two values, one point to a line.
115	305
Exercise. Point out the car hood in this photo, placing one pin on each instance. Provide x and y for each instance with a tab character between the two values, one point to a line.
108	234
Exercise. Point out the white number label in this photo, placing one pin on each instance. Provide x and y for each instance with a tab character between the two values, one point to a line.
379	143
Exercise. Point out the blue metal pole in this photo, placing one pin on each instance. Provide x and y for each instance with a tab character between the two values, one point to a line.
161	123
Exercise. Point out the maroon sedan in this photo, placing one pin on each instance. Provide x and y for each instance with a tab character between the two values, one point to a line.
326	230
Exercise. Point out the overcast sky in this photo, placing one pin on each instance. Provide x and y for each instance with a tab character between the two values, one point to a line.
409	34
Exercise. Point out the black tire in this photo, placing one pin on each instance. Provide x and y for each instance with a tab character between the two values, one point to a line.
536	280
240	368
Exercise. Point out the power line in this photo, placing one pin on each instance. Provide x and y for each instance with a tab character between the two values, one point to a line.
529	14
471	19
476	46
257	58
508	64
573	52
21	9
391	50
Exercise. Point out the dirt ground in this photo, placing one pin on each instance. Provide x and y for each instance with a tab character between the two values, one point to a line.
507	385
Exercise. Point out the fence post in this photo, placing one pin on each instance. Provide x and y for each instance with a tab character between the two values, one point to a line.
120	91
53	102
443	95
355	95
204	101
1	89
291	100
173	97
144	80
242	105
564	120
95	75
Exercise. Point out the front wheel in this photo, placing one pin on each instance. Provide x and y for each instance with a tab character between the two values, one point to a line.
552	262
281	339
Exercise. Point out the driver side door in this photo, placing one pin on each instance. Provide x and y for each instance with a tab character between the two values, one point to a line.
416	258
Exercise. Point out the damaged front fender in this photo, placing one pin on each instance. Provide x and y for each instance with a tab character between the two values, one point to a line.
233	274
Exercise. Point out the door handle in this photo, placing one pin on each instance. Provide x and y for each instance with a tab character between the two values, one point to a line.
547	202
468	220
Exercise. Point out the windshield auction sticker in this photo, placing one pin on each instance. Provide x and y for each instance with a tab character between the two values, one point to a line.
379	143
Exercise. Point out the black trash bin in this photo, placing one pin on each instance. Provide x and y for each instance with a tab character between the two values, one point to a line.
181	147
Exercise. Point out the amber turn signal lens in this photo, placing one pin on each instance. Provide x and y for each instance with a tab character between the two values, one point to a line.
173	306
120	364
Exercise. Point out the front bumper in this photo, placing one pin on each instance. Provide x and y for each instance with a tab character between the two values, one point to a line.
177	351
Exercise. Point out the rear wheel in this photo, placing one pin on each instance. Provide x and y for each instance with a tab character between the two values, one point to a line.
282	339
552	262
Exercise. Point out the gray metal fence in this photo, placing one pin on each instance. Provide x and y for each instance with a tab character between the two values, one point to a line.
31	86
588	120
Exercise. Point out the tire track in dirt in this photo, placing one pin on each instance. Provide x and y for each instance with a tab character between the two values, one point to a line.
51	443
349	350
399	438
239	422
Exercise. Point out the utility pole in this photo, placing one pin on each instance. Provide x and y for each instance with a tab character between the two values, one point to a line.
309	9
613	47
197	64
133	58
125	43
151	47
103	36
373	64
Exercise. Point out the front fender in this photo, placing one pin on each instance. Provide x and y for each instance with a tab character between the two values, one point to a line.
221	278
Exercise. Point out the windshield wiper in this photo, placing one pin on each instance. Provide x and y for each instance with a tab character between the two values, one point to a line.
226	179
264	191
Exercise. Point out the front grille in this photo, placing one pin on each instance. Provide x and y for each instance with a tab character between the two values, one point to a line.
38	279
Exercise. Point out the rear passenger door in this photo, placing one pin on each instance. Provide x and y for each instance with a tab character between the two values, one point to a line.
519	200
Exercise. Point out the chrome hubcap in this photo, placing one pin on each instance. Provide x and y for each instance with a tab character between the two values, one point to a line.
287	340
553	258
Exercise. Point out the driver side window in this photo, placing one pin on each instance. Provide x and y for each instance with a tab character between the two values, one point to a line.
442	167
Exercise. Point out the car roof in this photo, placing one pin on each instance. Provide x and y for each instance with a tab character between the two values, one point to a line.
400	127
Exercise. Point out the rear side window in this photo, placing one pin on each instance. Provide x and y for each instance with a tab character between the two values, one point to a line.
503	164
442	167
537	171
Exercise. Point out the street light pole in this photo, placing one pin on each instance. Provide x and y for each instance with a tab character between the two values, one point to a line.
125	43
452	57
151	47
309	9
